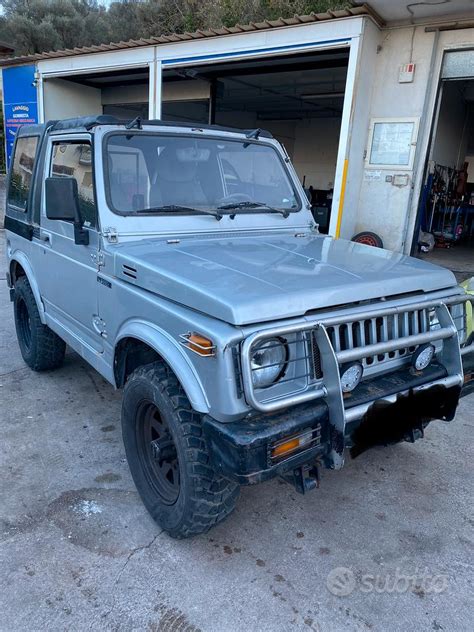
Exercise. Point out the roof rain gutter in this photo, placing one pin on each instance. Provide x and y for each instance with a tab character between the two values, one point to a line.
450	26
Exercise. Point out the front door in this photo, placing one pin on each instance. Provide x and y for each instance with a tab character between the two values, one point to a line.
67	272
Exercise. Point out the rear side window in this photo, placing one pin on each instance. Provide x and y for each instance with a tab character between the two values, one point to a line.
74	160
22	171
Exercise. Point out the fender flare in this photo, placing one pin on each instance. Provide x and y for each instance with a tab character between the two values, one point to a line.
22	259
172	353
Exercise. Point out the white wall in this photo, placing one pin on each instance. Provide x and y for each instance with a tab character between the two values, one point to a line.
380	206
125	94
65	99
375	204
284	131
315	151
194	89
311	144
364	85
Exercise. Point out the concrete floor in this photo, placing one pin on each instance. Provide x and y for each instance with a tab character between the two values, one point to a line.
78	551
459	258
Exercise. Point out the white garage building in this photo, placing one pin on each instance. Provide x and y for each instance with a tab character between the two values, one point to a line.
363	99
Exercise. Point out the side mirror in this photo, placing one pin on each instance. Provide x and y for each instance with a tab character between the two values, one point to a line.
62	202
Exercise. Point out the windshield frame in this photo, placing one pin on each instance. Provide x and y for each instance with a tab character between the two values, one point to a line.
198	212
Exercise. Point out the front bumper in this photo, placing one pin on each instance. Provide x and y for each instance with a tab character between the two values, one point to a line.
368	335
242	450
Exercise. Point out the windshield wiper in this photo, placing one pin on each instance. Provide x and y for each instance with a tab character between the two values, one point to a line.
179	207
262	205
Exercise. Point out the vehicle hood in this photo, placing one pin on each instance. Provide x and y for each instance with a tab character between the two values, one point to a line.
249	279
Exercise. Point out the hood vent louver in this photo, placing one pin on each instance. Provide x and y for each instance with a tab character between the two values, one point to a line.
129	272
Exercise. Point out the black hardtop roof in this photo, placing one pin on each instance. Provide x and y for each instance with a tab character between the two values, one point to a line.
89	122
31	130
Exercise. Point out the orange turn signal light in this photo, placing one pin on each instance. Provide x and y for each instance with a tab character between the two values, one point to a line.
200	344
285	447
304	440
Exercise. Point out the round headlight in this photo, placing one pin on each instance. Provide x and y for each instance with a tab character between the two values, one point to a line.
423	357
351	376
268	362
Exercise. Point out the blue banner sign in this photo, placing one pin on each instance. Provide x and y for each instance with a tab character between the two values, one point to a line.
20	101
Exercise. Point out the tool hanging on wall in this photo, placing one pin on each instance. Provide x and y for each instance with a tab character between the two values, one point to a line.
442	204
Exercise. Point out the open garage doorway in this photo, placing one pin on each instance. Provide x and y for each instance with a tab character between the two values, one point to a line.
122	93
447	201
298	98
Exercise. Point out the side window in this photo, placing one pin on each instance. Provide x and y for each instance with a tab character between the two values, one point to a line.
73	159
22	171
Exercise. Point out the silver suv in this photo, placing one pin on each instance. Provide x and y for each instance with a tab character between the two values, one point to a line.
183	263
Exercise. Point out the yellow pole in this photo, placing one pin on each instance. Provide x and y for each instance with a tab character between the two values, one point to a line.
341	198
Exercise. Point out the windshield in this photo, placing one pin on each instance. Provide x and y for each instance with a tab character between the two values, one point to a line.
157	173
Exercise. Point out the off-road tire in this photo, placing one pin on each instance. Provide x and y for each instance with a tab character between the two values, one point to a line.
41	348
204	498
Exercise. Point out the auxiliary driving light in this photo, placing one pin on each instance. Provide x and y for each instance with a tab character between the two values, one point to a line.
351	375
423	357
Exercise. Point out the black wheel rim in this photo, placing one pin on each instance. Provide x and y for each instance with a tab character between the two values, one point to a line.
157	453
24	323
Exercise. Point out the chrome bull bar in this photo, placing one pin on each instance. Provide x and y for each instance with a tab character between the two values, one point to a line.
329	387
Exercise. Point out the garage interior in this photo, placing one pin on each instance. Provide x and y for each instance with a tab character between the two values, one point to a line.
122	93
297	97
447	202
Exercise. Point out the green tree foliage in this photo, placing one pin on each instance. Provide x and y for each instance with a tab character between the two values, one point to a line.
33	26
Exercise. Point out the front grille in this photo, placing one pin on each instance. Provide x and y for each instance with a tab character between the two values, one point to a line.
379	329
315	358
383	338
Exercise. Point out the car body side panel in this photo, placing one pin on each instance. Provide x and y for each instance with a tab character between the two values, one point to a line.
173	354
17	252
209	382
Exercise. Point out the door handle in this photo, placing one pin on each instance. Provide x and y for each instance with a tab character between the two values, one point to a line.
45	236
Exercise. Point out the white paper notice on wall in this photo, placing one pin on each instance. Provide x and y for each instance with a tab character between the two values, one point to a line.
406	73
372	175
400	180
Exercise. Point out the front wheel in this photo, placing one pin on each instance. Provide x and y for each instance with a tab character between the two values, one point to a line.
168	455
40	347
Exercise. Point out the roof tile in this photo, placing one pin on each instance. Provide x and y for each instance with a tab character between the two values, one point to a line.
199	34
